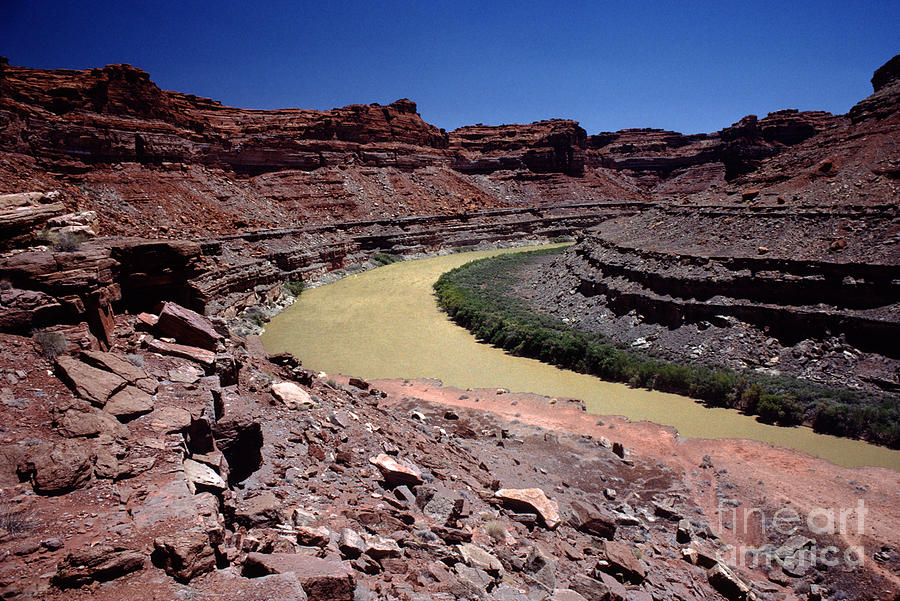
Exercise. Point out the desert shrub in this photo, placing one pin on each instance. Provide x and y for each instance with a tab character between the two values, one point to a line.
66	243
50	344
385	258
779	409
14	521
295	287
496	530
256	316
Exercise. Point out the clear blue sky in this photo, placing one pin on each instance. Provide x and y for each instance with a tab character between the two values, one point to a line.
682	65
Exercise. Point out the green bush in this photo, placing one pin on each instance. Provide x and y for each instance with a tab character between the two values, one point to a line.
479	296
779	409
295	288
385	258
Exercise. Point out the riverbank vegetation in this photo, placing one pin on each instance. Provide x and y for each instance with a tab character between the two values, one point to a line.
479	296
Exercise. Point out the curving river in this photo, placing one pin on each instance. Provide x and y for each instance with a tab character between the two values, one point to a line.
385	323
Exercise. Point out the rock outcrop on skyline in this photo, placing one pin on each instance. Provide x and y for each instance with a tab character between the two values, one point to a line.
159	163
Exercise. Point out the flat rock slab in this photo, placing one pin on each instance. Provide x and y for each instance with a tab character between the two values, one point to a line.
129	403
192	353
185	374
170	419
98	563
201	477
397	472
187	327
592	519
92	384
727	583
321	579
231	587
79	418
291	395
123	368
476	557
531	500
622	560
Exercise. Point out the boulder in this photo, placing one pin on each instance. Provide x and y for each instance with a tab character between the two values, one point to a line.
184	555
397	471
259	511
129	403
359	383
351	544
592	519
92	384
476	557
200	477
170	506
531	500
602	588
187	327
170	419
541	564
309	536
727	583
685	531
292	395
379	547
57	468
96	563
666	511
622	562
227	369
321	579
76	418
471	583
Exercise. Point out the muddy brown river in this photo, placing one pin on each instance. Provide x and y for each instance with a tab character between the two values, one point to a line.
385	323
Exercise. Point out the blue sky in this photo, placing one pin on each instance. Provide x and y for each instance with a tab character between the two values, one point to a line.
682	65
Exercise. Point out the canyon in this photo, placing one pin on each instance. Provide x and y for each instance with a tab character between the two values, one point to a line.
157	449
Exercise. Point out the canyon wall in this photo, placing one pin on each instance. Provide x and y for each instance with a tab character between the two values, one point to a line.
214	206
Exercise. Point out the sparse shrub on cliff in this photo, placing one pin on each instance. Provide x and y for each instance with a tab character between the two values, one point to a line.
295	288
256	316
137	360
478	297
496	530
66	243
385	258
50	344
14	521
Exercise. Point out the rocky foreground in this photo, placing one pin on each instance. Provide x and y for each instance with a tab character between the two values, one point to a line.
184	462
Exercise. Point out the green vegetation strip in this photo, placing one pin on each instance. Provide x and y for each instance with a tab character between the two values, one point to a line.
479	296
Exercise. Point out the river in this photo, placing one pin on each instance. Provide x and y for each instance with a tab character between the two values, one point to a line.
385	323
